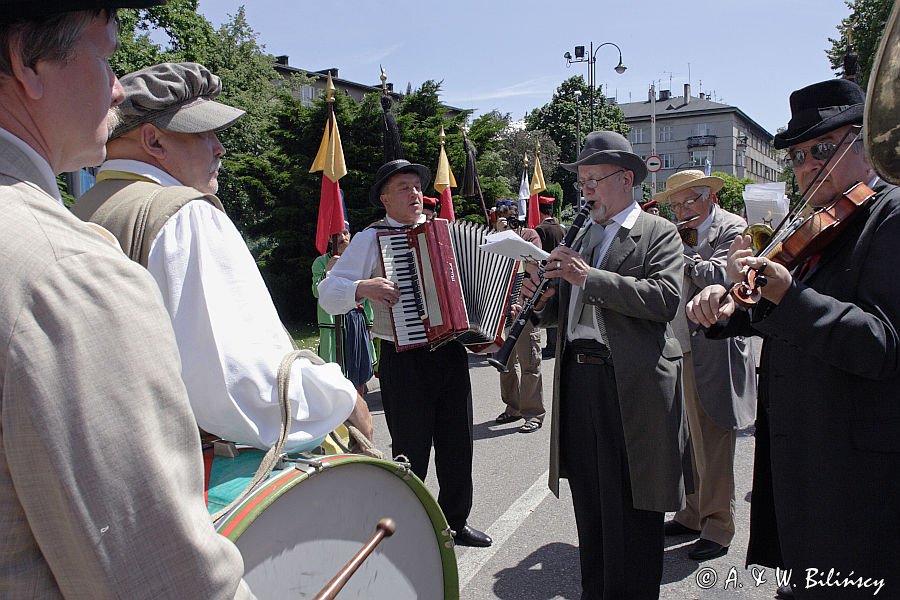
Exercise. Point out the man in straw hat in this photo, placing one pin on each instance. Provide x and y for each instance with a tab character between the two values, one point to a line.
100	474
825	485
719	375
156	194
426	393
618	431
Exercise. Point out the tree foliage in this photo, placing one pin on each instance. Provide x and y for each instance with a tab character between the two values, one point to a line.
731	196
559	119
866	22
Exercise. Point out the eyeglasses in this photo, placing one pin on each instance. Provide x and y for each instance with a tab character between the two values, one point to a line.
592	184
686	204
820	151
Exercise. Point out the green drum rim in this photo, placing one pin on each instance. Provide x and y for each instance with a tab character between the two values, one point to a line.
236	522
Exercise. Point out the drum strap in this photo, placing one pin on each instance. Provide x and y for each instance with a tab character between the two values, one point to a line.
274	454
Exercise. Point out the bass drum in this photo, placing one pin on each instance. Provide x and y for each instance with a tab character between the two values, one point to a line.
300	527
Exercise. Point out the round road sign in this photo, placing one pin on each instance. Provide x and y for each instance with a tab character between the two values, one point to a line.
654	163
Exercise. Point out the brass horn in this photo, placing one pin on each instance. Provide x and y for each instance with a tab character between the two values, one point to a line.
882	111
760	234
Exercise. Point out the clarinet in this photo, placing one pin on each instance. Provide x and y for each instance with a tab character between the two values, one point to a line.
501	358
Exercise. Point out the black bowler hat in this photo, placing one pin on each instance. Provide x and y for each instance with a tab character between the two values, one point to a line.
820	108
609	148
395	167
12	11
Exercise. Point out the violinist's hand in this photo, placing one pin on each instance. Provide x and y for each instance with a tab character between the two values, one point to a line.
741	247
779	279
708	307
567	264
529	287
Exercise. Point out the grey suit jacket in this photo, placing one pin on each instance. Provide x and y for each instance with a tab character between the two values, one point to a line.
100	468
725	370
638	294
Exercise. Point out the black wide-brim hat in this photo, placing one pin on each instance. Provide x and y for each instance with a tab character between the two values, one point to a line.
609	148
395	167
12	11
820	108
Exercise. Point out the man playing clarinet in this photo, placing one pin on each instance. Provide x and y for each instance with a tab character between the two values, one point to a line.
618	430
426	393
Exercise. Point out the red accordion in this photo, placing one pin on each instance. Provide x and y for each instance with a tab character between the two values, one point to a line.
449	287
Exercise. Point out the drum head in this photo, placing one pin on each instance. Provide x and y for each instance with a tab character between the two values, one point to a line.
297	530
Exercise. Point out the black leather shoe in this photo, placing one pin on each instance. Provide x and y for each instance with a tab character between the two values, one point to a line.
706	550
468	536
784	592
673	527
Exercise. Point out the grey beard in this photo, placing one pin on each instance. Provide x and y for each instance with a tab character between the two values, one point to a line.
598	213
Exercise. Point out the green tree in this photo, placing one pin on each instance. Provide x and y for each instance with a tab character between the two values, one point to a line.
866	24
559	119
731	196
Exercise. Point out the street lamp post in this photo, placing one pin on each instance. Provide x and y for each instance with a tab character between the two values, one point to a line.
591	60
577	122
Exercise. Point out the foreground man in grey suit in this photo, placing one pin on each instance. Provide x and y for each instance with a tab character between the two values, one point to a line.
100	469
719	375
618	430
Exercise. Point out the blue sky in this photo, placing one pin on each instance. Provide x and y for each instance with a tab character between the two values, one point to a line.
509	55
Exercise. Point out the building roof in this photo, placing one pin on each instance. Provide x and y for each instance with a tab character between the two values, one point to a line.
675	106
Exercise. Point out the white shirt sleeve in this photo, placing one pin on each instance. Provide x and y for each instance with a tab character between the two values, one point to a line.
231	339
337	292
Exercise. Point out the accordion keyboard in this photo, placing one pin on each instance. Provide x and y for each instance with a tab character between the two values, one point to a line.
400	267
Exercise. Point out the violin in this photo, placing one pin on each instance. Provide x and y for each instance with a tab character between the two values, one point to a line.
808	233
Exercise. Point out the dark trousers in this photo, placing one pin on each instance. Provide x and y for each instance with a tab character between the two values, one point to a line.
621	548
427	401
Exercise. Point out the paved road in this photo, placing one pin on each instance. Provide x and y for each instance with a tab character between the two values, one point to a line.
535	551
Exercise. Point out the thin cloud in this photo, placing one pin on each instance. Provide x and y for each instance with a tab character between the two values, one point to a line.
375	55
540	86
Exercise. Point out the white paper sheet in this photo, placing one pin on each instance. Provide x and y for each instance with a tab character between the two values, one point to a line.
510	245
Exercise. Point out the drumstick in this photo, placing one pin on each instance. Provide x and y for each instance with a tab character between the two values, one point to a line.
385	528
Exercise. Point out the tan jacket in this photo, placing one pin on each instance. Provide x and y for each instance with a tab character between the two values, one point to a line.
100	467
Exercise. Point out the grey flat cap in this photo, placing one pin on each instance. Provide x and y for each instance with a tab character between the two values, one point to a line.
176	97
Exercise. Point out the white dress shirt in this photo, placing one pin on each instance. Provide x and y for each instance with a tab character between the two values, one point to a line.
624	219
229	335
337	292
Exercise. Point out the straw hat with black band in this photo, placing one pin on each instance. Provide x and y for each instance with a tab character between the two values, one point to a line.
690	178
609	148
14	11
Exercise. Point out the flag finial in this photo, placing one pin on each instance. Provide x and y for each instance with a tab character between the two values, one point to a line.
443	135
329	89
383	80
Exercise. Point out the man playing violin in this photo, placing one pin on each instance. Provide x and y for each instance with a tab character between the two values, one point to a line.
825	489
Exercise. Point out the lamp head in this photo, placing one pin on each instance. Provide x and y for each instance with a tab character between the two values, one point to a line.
620	68
567	56
579	51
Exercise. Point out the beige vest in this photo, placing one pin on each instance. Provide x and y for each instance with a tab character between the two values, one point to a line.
135	210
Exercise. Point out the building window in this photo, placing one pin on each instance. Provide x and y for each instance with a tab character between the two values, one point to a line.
699	157
668	161
739	159
308	94
664	134
637	135
701	129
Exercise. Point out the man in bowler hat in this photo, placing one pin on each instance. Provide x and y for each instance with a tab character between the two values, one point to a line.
618	430
825	485
101	475
426	393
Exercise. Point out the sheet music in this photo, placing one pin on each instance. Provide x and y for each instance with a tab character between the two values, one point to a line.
510	245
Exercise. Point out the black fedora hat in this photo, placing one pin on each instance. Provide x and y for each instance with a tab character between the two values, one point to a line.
395	167
820	108
609	148
12	11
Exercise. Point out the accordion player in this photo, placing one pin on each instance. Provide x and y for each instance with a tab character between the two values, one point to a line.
449	287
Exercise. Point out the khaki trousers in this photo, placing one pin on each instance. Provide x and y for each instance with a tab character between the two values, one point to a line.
524	396
711	509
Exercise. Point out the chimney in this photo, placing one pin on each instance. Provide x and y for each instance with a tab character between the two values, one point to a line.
332	70
687	93
702	96
664	95
282	60
650	94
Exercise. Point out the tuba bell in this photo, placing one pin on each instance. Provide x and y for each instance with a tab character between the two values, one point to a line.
881	118
760	234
